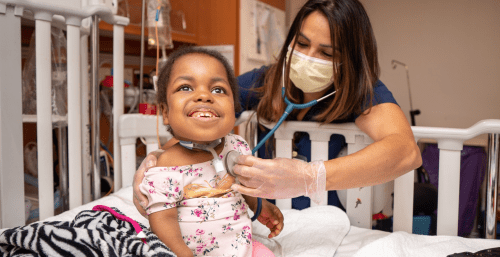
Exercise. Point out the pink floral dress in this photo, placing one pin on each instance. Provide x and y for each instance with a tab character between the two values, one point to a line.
215	221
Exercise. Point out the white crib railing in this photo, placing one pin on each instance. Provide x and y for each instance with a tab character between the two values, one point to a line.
450	143
130	127
46	13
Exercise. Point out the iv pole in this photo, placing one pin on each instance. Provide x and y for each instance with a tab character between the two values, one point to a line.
413	112
141	68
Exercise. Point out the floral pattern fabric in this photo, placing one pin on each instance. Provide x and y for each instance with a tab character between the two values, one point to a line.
210	226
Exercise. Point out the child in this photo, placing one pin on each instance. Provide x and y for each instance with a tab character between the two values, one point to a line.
192	208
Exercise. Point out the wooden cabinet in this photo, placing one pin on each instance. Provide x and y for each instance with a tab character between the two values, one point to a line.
183	19
198	22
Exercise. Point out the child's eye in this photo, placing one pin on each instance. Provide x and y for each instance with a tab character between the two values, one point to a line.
218	90
185	88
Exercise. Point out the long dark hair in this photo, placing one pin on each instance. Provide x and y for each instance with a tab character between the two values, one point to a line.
352	34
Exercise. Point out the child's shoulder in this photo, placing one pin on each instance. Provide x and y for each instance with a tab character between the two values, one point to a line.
238	142
171	157
235	137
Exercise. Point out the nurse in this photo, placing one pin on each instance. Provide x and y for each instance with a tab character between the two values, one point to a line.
330	47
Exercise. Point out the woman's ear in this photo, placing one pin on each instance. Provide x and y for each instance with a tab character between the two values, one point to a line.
164	113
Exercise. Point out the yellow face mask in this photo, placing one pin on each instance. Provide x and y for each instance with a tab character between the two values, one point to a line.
310	74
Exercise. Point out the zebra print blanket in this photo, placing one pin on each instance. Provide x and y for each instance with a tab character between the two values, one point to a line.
91	233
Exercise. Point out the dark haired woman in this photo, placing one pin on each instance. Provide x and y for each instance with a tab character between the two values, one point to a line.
330	48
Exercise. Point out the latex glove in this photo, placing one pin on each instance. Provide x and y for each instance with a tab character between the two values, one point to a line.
271	217
280	178
140	200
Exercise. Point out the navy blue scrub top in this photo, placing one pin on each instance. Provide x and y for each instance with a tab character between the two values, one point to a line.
302	144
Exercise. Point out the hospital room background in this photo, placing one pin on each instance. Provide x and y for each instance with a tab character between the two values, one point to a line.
440	59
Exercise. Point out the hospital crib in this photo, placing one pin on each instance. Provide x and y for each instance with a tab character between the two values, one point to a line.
450	142
73	16
127	128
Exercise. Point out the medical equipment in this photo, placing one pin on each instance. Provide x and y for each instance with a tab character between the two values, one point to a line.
230	162
232	155
413	112
217	162
159	24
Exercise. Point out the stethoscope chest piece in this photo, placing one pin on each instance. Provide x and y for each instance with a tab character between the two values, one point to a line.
230	161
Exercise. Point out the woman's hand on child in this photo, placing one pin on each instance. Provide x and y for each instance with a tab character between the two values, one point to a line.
280	178
271	217
140	200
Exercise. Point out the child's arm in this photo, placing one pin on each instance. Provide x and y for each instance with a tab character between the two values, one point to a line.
270	215
165	225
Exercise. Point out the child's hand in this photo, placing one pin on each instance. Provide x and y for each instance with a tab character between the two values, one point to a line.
271	217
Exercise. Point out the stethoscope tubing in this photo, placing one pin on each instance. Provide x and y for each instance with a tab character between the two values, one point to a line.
289	108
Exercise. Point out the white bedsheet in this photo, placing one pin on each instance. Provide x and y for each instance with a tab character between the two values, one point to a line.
321	231
356	239
316	231
403	244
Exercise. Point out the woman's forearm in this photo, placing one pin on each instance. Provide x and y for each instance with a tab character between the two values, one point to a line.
377	163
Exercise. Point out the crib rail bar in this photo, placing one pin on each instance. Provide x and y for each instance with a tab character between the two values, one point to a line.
492	186
85	118
481	127
284	150
74	119
403	202
129	163
131	127
359	200
319	152
11	131
448	192
118	97
95	112
69	10
44	114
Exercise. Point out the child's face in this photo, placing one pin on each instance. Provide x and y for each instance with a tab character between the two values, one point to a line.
200	100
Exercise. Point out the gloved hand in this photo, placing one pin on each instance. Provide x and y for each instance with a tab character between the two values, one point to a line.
280	178
140	200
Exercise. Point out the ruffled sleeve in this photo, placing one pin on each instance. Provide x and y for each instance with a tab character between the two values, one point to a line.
163	189
240	144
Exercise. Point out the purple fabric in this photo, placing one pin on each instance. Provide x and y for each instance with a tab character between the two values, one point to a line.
472	171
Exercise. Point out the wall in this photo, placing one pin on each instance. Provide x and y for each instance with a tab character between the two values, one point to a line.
292	8
252	14
451	49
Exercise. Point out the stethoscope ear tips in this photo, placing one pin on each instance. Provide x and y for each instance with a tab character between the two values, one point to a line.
230	161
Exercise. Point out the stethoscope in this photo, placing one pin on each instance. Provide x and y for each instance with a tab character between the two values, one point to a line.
232	155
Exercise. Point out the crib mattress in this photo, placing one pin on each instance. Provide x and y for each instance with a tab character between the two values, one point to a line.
316	231
320	231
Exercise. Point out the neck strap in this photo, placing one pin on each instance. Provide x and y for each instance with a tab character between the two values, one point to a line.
217	162
190	145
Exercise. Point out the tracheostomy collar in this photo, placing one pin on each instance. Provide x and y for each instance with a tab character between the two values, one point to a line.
217	162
